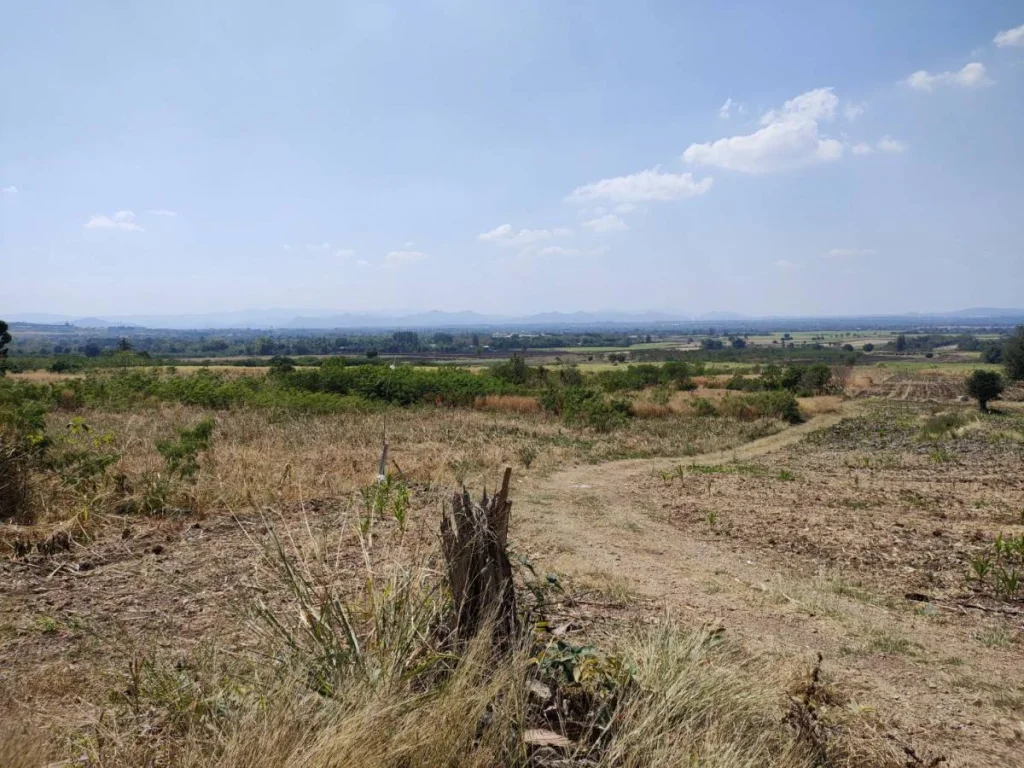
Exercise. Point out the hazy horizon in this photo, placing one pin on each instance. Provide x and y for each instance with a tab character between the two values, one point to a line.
807	161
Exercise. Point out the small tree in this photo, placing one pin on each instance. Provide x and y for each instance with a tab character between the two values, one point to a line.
984	386
1013	355
901	343
869	347
5	339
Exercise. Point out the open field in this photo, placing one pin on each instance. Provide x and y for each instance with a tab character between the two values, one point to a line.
673	521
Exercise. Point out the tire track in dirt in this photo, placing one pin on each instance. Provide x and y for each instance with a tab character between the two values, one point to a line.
597	523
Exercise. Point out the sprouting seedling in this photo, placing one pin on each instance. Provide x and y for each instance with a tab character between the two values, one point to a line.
981	565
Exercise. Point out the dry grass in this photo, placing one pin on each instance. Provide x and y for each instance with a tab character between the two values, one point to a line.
507	404
814	406
648	410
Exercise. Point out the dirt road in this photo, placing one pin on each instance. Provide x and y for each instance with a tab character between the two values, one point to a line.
605	524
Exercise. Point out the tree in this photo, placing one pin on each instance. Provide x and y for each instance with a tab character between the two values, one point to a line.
984	386
869	347
92	349
1013	355
848	347
124	345
738	343
901	343
5	339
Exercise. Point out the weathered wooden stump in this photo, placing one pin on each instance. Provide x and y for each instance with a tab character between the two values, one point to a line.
474	538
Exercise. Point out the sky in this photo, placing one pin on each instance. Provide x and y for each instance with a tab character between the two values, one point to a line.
800	158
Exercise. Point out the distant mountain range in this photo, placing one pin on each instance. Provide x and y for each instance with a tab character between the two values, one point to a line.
326	319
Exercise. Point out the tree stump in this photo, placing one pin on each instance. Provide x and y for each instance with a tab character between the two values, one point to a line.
474	537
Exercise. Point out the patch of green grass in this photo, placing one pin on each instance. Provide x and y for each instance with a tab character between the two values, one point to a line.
997	637
886	641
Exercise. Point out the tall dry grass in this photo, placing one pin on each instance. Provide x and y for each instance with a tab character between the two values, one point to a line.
507	404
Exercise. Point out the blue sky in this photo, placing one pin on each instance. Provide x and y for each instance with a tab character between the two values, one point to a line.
813	158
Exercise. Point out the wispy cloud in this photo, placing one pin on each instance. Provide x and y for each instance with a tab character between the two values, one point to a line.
610	222
972	75
789	139
11	190
852	110
161	212
122	220
725	111
889	144
785	264
344	253
505	235
645	186
1010	37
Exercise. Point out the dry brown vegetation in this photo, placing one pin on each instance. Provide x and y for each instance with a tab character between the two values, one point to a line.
704	559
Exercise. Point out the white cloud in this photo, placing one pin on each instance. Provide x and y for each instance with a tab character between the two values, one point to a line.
362	263
785	264
1009	37
852	110
558	250
607	223
404	257
321	247
862	149
161	212
651	184
344	253
11	190
849	253
625	208
972	75
789	139
889	144
122	220
506	236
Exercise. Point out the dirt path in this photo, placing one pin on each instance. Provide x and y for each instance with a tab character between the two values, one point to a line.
604	525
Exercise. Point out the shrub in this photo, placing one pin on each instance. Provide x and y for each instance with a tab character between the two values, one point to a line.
984	386
869	347
1013	355
757	405
182	455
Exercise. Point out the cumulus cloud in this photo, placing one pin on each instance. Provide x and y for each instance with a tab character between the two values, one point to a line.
972	75
649	185
861	148
608	223
11	190
161	212
505	235
849	253
122	220
788	139
1009	37
889	144
625	208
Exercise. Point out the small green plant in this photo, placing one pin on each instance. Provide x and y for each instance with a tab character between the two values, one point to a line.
711	517
1000	570
181	456
785	474
526	454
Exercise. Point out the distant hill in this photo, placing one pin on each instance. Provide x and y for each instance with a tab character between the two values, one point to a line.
295	319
